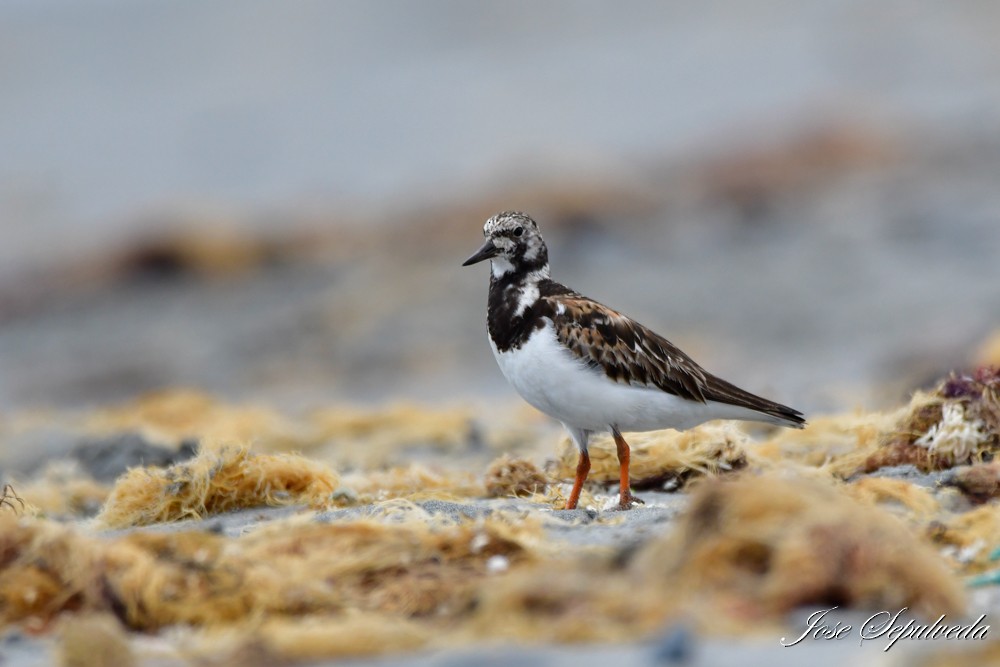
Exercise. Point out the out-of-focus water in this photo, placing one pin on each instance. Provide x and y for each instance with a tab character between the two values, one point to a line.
113	110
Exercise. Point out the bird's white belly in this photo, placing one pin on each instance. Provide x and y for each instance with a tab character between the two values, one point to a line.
553	380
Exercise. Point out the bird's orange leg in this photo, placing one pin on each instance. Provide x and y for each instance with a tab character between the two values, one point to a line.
625	497
582	470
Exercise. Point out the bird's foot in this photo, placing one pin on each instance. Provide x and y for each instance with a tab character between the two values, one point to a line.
627	501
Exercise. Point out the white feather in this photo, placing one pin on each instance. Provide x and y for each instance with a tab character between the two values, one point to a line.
527	297
553	380
500	266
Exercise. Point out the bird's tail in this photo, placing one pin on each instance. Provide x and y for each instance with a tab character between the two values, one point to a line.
770	412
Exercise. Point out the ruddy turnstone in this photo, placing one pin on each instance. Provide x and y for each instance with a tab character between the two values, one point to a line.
589	366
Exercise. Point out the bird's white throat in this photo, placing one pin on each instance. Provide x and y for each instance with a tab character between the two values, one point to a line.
500	266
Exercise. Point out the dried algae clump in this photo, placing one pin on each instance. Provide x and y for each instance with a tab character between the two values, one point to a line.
895	494
838	444
969	538
344	435
661	459
954	438
374	435
45	569
958	423
153	580
63	490
176	415
403	569
509	476
412	482
96	640
215	481
563	600
284	639
979	482
770	544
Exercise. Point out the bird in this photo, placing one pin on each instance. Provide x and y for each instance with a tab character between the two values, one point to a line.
591	367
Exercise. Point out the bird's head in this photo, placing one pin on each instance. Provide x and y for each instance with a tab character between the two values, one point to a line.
513	243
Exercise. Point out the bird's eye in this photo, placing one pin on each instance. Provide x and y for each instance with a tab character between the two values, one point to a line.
518	231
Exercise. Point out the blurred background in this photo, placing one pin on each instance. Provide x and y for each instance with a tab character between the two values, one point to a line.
271	201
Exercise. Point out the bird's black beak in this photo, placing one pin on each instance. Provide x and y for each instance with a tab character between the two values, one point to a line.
488	250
